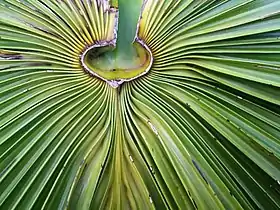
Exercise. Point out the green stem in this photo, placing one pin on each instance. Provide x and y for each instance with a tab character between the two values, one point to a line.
129	11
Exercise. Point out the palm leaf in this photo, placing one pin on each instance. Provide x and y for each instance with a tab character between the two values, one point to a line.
200	130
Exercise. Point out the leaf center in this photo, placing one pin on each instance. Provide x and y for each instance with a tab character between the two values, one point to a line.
129	59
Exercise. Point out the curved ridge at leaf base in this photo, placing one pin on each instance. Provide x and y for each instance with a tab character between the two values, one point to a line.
199	130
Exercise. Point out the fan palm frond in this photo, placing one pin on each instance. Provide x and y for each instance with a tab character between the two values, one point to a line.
193	124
